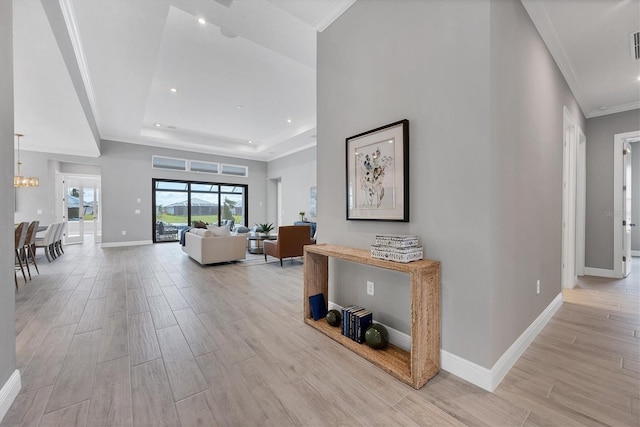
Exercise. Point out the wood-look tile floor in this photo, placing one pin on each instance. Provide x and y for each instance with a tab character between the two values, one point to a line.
143	336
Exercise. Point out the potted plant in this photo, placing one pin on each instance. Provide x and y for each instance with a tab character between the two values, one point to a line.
301	215
264	228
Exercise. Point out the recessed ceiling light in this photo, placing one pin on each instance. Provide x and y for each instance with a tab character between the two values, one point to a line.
201	21
239	107
288	120
157	125
250	142
174	90
638	78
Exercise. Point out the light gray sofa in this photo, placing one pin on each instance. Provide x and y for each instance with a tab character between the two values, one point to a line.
208	249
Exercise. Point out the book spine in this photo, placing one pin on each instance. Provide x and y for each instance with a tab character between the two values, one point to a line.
351	315
364	324
344	320
351	319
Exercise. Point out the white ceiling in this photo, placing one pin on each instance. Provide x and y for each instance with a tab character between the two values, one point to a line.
247	74
89	69
589	39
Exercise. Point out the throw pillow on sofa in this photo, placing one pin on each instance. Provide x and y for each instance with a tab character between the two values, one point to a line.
219	231
202	232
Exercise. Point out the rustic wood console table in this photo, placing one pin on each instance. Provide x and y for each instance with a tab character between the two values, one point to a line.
415	367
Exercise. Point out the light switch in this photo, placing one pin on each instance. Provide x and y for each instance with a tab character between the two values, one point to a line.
39	211
138	211
139	200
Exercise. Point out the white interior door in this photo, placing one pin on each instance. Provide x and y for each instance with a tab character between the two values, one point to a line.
626	197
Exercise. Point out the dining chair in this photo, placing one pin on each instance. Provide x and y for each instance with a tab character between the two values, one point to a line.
57	244
28	250
46	242
20	235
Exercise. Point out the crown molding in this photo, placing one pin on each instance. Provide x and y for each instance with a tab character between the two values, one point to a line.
615	109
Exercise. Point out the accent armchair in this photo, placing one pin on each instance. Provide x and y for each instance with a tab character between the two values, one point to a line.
290	243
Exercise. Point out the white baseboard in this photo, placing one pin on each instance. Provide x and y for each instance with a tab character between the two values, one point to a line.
601	272
8	392
121	244
468	371
513	353
487	379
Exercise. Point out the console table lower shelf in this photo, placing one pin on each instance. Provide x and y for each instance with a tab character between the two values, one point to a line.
392	359
413	367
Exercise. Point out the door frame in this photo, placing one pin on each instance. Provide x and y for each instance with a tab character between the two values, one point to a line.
61	214
619	140
569	190
581	202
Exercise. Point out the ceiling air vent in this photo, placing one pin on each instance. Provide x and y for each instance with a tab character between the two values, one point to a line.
634	38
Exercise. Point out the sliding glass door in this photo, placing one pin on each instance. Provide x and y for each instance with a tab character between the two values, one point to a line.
177	204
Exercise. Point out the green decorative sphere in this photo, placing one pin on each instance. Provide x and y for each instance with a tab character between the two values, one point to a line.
377	336
333	317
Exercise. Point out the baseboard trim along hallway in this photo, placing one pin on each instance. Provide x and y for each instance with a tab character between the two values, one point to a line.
489	379
8	392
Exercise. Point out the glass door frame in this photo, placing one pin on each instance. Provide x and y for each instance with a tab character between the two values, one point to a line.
93	182
188	193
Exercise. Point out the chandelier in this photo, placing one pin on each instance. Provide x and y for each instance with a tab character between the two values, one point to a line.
23	181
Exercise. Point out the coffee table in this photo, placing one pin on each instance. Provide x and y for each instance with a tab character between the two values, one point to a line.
258	240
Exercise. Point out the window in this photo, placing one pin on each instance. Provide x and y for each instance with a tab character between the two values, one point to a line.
169	163
235	170
205	167
177	204
159	162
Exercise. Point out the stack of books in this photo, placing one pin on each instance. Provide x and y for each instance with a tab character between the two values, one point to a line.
355	321
398	248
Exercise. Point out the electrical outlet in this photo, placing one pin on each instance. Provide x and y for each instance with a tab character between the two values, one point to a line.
124	232
370	287
538	287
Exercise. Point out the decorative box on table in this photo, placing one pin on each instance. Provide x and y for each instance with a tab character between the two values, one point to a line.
398	248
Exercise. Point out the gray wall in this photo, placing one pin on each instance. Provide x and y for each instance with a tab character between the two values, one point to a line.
7	295
297	172
127	174
29	201
635	198
485	116
528	93
599	225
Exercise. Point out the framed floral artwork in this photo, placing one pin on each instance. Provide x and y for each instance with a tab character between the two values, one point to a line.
378	174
